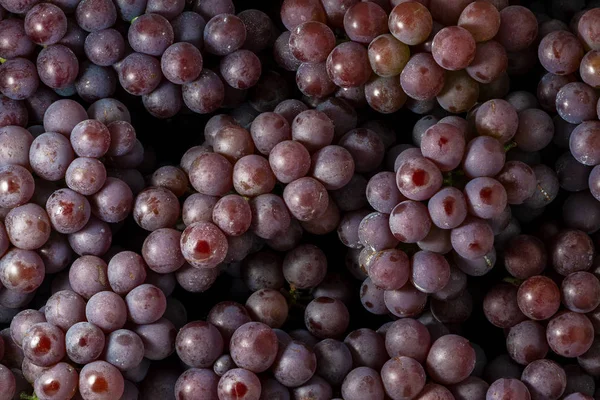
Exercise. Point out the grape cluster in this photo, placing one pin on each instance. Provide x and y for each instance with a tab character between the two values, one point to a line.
369	209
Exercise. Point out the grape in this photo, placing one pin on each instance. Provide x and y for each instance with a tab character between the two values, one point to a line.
460	92
353	95
406	301
100	380
21	270
549	87
571	251
104	47
58	382
313	129
364	21
489	63
481	19
65	308
326	317
19	79
94	238
311	42
422	78
560	53
588	69
305	266
269	307
486	198
586	29
507	388
156	208
453	48
385	95
306	198
126	270
484	156
410	23
253	346
139	74
525	256
348	65
294	12
224	34
570	334
189	27
109	321
444	144
498	119
472	239
575	102
57	66
124	349
16	186
402	221
451	359
210	174
430	271
270	217
526	342
113	202
389	269
210	8
196	384
54	168
45	24
538	297
203	245
544	379
518	28
158	338
95	82
259	29
409	338
241	69
85	175
252	176
402	377
44	344
519	181
581	143
361	383
196	280
14	42
108	110
268	130
334	360
282	53
168	10
239	382
580	292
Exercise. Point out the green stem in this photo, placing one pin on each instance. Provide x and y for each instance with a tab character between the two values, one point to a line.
510	145
513	281
25	396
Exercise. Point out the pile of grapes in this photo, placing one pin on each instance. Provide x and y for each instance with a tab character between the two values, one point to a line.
299	200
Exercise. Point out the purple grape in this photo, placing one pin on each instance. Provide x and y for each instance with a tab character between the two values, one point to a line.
252	176
402	221
14	42
197	384
58	382
21	271
406	301
486	197
80	272
100	380
448	208
16	186
505	388
64	309
124	349
57	66
95	82
139	73
526	342
544	379
270	216
305	266
198	344
239	382
538	297
570	334
19	79
44	344
108	110
451	359
113	202
54	168
203	245
104	47
422	79
126	270
402	377
224	34
418	178
519	181
472	239
348	65
408	337
108	311
94	238
576	102
579	292
361	383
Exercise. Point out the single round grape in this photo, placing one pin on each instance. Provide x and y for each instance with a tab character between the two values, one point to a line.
268	130
104	47
21	323
564	61
389	269
188	27
538	297
518	28
361	383
150	34
451	359
402	377
406	301
387	55
410	23
28	226
198	344
14	42
57	66
19	79
409	338
545	379
581	292
422	78
210	8
108	110
161	251
497	118
402	221
364	21
282	53
504	388
44	344
311	42
430	271
210	174
453	48
224	34
101	380
232	214
486	197
196	384
239	382
526	342
348	65
156	208
139	73
16	186
289	160
95	82
126	270
198	207
233	142
582	140
295	12
85	175
252	176
64	309
384	94
241	69
54	168
195	280
108	311
481	19
58	382
94	238
295	364
570	334
571	251
270	217
460	92
203	245
80	272
68	211
525	256
181	63
254	346
519	181
113	202
45	24
548	89
588	69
